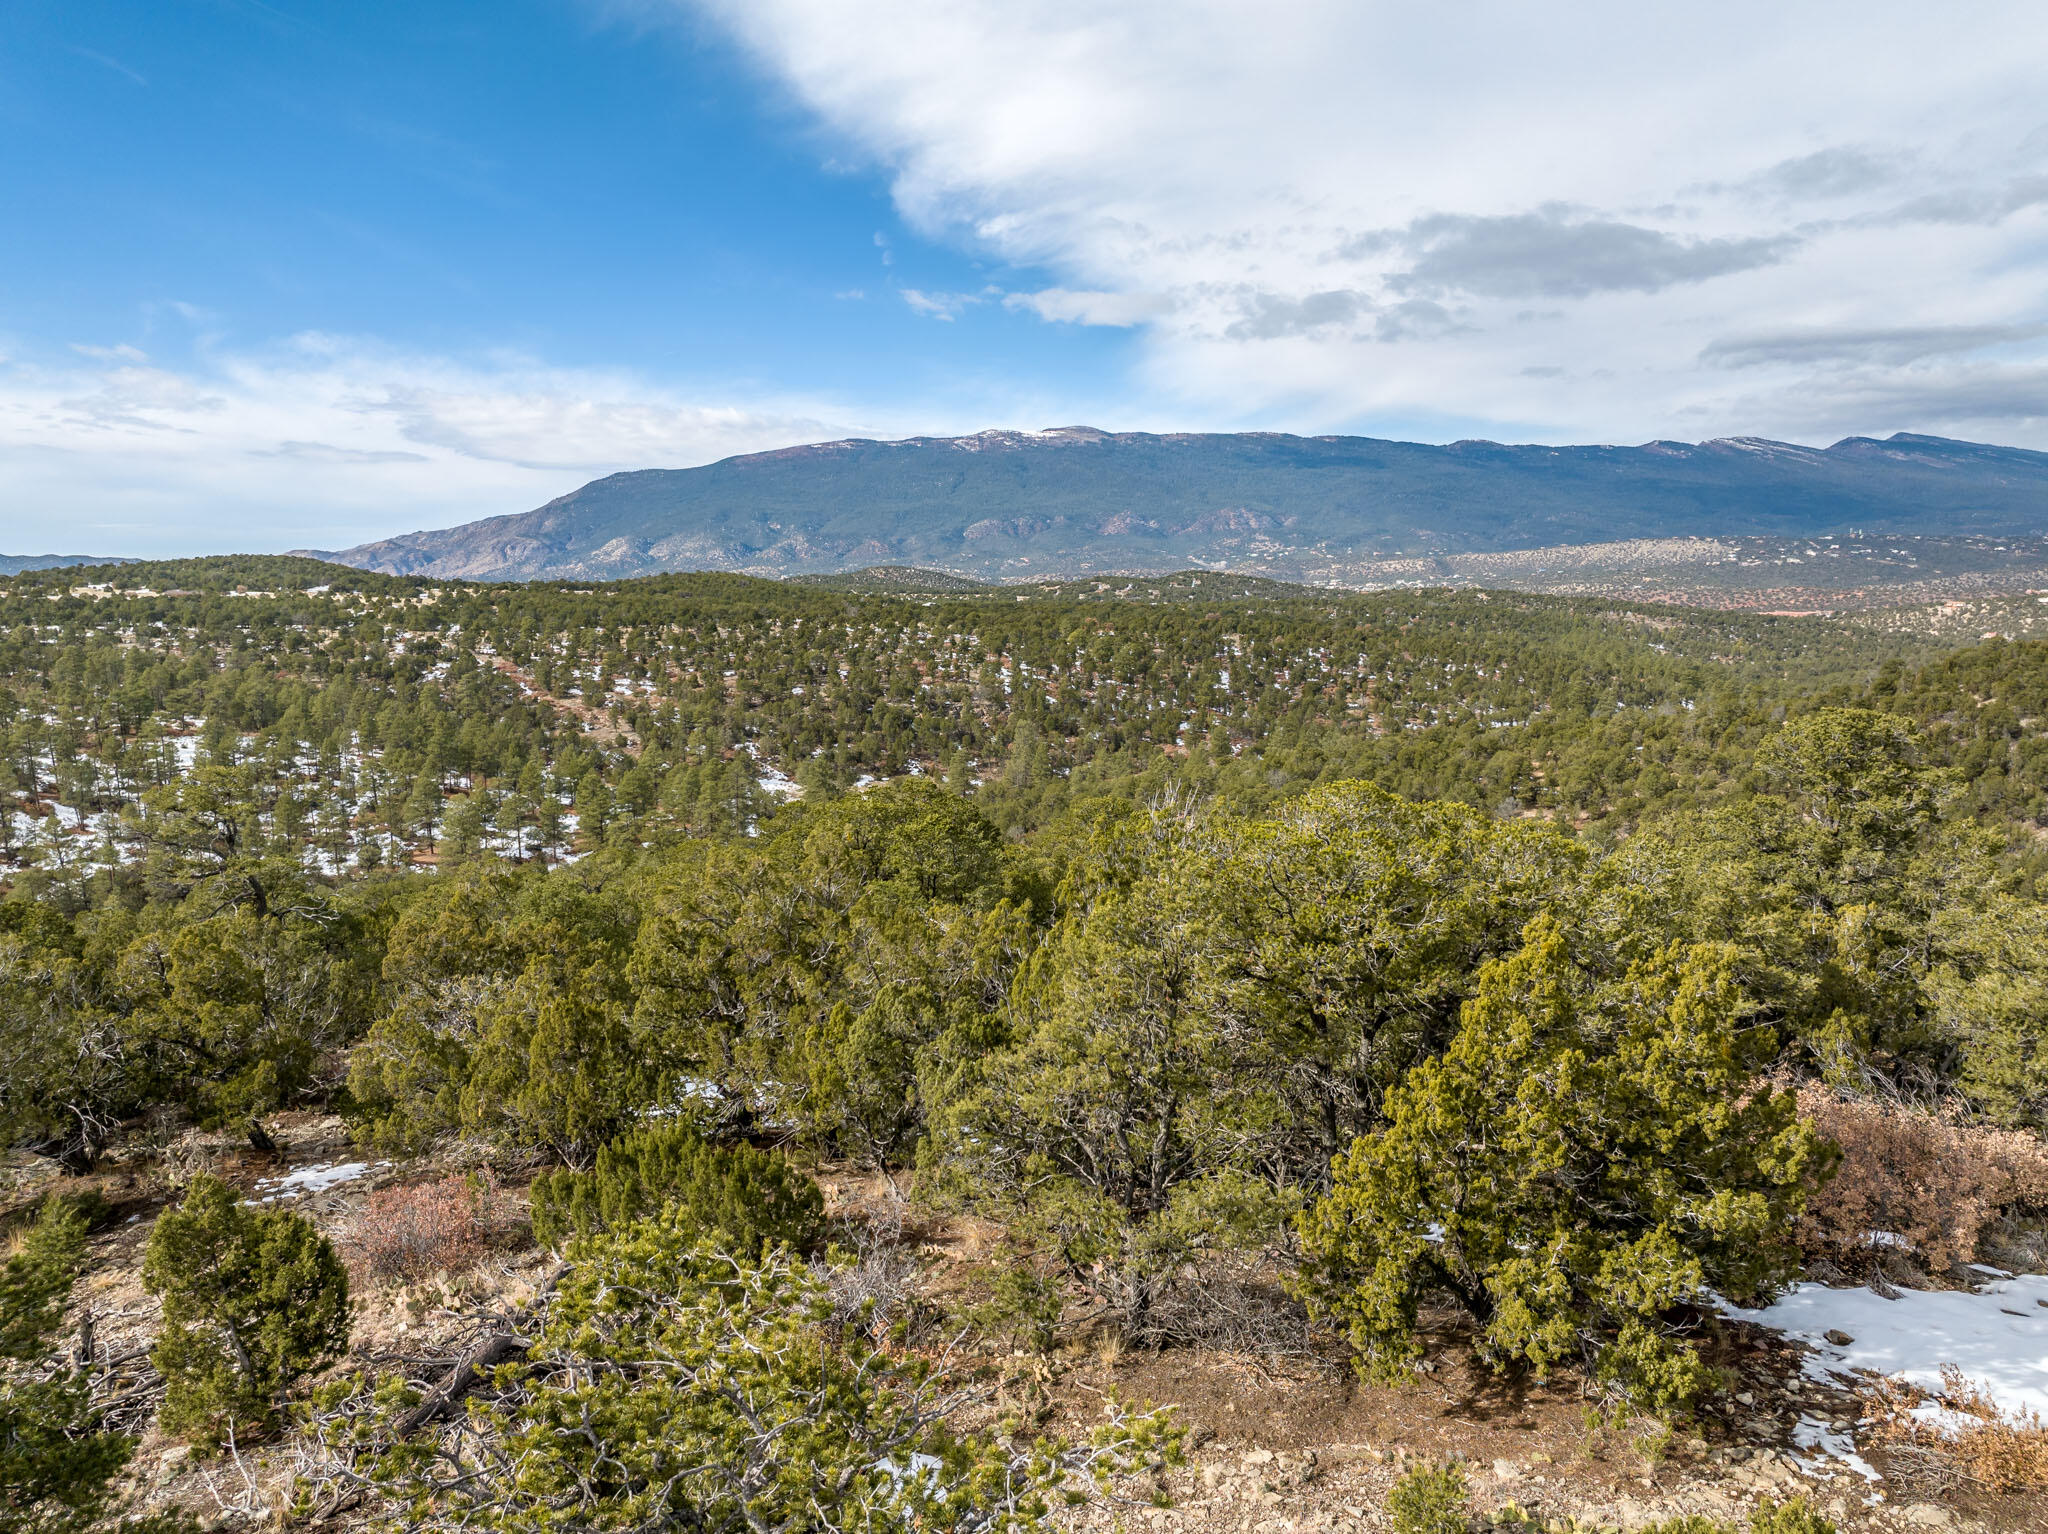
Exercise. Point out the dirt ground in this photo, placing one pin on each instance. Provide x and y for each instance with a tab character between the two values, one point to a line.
1284	1446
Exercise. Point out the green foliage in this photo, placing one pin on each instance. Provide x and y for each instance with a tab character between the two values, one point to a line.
1211	894
36	1280
253	1299
816	970
70	1068
1590	1155
508	1020
1877	931
1224	1006
555	1067
1769	1517
228	1017
243	1006
736	1197
1022	1308
1988	987
1429	1499
1342	932
56	1462
1794	1517
675	1386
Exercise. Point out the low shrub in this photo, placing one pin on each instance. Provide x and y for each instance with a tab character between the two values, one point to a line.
1794	1517
57	1461
89	1206
1430	1499
1909	1176
253	1299
1999	1451
409	1233
740	1198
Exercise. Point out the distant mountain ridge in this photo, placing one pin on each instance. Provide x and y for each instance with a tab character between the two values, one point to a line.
1074	500
14	564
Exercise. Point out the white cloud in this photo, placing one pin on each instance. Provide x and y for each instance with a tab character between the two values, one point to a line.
1066	306
938	306
1540	217
328	442
121	353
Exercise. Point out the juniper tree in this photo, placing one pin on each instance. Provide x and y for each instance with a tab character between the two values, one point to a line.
253	1299
1591	1156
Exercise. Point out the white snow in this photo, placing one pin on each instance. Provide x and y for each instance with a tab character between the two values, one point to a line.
772	779
312	1179
1821	1442
1996	1335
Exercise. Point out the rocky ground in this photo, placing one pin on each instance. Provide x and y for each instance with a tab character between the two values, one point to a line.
1277	1445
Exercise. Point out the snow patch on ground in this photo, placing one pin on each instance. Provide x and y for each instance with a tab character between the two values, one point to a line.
313	1179
1818	1443
1996	1334
773	779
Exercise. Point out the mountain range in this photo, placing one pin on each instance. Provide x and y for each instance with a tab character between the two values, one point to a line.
14	564
1074	500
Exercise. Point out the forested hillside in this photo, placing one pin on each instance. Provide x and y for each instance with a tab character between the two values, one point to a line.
1377	980
1012	504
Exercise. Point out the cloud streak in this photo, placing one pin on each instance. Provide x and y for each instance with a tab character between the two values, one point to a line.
1894	346
1552	254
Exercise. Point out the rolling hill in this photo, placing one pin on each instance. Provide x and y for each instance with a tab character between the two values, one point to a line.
1073	500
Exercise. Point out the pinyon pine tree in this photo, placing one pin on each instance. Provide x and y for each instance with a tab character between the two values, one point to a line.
676	1387
55	1461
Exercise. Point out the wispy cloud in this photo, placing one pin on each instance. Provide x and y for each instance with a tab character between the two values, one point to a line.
327	441
119	353
938	306
114	64
1067	306
1554	253
1896	345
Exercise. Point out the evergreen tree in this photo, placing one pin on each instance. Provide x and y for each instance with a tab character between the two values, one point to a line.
1587	1159
676	1387
422	811
738	1198
56	1461
253	1299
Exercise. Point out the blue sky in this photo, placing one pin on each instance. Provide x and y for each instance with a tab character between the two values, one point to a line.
465	174
278	272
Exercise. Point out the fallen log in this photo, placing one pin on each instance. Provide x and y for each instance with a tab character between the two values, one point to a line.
486	1354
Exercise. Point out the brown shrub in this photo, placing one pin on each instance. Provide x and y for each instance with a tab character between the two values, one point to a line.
1926	1178
411	1232
1998	1451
